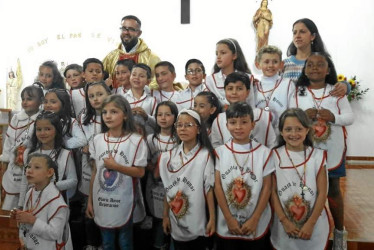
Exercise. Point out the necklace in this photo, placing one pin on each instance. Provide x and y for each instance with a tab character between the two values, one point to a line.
167	99
241	167
170	168
114	149
268	97
301	177
318	105
51	154
29	122
166	144
135	102
30	204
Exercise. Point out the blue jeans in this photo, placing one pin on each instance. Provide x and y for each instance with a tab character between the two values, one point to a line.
125	237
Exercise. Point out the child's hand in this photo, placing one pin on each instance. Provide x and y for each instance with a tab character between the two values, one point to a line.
234	227
166	225
110	163
109	81
249	227
25	217
13	213
140	111
210	227
326	115
290	228
306	231
339	90
89	210
312	113
85	150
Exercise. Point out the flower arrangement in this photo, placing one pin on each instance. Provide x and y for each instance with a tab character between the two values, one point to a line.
356	91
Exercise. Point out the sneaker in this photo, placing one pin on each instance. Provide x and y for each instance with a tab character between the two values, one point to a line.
340	240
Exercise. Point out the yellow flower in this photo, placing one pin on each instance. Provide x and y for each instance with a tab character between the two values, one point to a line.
352	82
341	78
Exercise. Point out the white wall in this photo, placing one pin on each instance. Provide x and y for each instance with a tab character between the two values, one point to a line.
345	26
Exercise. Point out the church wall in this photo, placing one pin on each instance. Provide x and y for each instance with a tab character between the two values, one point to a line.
72	31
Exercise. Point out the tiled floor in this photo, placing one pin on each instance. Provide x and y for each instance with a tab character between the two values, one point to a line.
358	189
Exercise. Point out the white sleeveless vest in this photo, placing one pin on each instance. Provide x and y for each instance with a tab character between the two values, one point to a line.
242	190
289	193
113	192
186	186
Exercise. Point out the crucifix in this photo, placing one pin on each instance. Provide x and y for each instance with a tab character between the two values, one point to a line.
185	11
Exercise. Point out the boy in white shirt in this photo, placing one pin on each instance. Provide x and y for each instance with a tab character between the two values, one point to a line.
237	89
165	76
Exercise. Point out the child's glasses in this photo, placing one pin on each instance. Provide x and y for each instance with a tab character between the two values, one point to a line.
180	125
196	71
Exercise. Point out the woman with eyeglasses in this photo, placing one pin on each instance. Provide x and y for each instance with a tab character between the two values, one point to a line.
187	173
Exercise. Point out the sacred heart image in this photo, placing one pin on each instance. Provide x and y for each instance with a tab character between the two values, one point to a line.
179	204
18	160
321	130
238	193
109	179
298	210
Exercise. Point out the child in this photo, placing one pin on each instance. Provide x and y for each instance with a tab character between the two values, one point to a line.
93	70
237	88
47	139
195	75
329	115
163	140
242	185
119	155
208	106
271	92
17	138
91	126
43	222
122	72
165	76
73	76
58	101
140	101
300	187
188	178
229	58
50	77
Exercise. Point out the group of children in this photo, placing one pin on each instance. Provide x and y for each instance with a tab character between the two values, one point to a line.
231	156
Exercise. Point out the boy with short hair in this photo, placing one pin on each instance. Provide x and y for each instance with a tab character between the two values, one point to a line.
237	89
141	102
195	75
243	184
165	76
272	91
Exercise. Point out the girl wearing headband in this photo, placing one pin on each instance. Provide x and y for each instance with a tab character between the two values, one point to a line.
187	173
